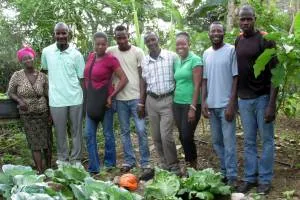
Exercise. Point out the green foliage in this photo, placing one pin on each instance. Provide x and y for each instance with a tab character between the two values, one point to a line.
96	189
288	195
165	185
13	144
297	26
205	184
263	60
67	182
3	96
289	106
268	17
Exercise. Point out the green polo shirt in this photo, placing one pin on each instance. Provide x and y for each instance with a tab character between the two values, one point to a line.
65	68
183	75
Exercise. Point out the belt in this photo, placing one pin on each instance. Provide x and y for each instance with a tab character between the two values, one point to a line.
159	96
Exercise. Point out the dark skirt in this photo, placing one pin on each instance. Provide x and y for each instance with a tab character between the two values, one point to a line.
38	131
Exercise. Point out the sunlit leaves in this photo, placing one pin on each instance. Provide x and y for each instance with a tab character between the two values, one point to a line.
262	60
297	26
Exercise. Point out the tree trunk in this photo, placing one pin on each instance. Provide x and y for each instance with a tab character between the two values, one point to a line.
231	16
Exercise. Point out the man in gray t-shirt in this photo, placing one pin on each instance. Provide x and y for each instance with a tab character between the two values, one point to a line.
219	99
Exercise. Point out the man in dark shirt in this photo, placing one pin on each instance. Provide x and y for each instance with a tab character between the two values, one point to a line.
257	104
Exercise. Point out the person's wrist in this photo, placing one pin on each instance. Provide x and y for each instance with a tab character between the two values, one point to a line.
141	105
192	107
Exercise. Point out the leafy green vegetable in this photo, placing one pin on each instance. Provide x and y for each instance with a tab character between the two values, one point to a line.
205	184
3	96
96	189
165	185
14	170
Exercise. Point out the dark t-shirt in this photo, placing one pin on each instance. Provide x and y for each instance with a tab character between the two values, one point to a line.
248	49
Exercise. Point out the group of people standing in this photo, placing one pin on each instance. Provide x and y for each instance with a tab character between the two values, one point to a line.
162	84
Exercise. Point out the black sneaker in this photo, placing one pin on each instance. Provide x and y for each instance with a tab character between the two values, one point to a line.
126	169
147	174
232	183
263	188
246	187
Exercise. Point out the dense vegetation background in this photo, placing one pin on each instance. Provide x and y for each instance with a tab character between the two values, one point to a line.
32	21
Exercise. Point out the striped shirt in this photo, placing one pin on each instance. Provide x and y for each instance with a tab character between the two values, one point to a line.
158	73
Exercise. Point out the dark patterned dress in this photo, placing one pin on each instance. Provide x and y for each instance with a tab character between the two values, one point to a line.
36	118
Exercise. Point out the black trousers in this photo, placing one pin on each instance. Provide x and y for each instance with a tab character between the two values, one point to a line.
186	129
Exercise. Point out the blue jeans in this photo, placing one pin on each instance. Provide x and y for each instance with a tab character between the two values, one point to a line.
109	137
224	142
252	115
127	109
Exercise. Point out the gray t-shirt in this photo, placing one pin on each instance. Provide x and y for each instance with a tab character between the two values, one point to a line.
219	68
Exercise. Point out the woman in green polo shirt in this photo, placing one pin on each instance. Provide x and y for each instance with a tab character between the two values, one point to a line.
187	108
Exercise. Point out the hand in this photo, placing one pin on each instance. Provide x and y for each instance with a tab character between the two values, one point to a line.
109	102
191	115
141	111
50	120
270	113
229	113
23	106
205	111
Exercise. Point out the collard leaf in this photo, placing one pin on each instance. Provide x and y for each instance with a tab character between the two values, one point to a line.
13	170
165	185
27	196
262	60
78	191
28	179
204	195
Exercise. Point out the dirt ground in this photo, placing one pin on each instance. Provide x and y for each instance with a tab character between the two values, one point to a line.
287	165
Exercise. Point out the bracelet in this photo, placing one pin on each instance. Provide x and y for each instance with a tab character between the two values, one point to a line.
140	104
193	107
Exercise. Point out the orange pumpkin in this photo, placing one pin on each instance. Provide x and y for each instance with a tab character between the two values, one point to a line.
128	181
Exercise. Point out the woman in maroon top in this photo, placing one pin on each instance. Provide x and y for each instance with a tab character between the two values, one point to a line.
98	73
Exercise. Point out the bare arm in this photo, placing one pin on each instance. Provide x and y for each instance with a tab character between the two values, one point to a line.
122	83
143	87
271	108
204	106
231	107
197	79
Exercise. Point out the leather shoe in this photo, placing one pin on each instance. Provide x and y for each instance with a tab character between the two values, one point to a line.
232	183
246	187
263	188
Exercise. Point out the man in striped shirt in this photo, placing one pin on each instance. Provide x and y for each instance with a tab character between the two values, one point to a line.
157	96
